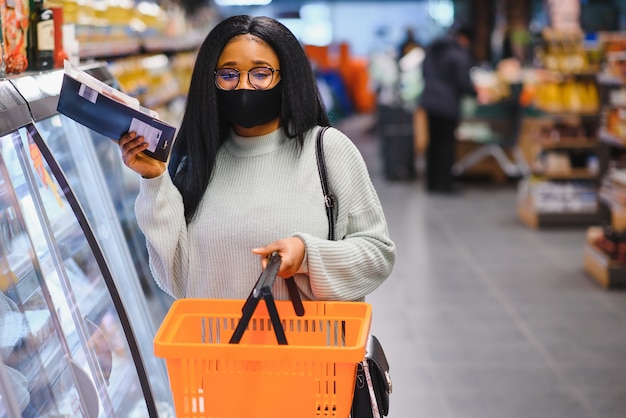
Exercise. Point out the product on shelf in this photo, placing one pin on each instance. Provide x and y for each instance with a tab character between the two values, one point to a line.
564	51
563	84
14	17
117	28
613	46
613	186
614	122
41	37
561	146
558	197
613	243
566	95
558	130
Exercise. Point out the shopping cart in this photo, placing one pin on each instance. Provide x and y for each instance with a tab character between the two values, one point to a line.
259	359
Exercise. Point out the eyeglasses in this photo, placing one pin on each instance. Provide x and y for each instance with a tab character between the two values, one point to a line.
259	77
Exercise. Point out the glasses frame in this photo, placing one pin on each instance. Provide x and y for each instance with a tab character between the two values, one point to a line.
272	70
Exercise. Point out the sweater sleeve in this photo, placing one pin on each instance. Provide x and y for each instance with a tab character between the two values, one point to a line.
160	215
363	255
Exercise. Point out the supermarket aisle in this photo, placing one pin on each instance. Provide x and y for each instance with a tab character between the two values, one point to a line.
486	318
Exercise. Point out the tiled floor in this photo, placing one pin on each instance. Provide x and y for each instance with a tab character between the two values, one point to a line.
484	317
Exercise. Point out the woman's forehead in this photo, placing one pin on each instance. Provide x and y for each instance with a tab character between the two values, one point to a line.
247	49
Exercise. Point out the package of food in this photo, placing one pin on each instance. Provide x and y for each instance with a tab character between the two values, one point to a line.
14	31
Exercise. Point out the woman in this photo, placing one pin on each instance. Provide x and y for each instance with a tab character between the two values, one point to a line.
243	181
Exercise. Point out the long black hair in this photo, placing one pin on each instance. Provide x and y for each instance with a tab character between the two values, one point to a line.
203	130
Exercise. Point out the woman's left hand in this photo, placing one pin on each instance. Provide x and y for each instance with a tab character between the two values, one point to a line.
291	251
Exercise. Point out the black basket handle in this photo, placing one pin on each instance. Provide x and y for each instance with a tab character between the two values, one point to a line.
263	289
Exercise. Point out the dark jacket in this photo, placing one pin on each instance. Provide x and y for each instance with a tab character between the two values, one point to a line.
446	70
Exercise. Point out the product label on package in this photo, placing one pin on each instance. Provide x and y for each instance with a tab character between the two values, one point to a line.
88	93
151	134
45	35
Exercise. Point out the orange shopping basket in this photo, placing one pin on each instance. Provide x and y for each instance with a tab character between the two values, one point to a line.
259	358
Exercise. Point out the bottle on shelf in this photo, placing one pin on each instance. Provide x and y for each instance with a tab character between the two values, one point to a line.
40	37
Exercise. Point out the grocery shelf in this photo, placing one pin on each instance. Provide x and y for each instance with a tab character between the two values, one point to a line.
610	139
132	46
533	218
609	79
571	143
618	210
189	42
104	49
573	174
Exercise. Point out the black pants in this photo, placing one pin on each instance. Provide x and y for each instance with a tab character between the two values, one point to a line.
441	153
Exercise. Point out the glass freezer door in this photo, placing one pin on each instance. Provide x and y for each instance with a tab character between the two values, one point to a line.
74	150
71	350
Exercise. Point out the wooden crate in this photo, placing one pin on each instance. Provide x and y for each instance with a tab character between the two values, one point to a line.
529	216
618	211
606	272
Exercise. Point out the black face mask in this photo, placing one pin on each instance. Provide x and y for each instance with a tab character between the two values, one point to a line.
248	108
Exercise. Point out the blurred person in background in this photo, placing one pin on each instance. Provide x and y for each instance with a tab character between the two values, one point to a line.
446	71
408	43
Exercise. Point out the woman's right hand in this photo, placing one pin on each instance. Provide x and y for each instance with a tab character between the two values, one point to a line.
132	146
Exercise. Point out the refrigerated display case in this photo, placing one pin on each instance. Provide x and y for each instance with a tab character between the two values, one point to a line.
94	168
75	328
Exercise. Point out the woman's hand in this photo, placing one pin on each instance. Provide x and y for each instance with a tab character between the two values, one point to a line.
291	251
132	146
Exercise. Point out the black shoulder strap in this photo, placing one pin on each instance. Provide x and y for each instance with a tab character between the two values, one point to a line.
329	198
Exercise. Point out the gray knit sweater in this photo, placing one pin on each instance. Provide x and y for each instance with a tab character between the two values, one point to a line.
264	189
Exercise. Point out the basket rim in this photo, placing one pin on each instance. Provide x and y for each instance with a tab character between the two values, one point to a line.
164	346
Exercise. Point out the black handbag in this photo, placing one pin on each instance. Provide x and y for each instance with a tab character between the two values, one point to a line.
373	381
